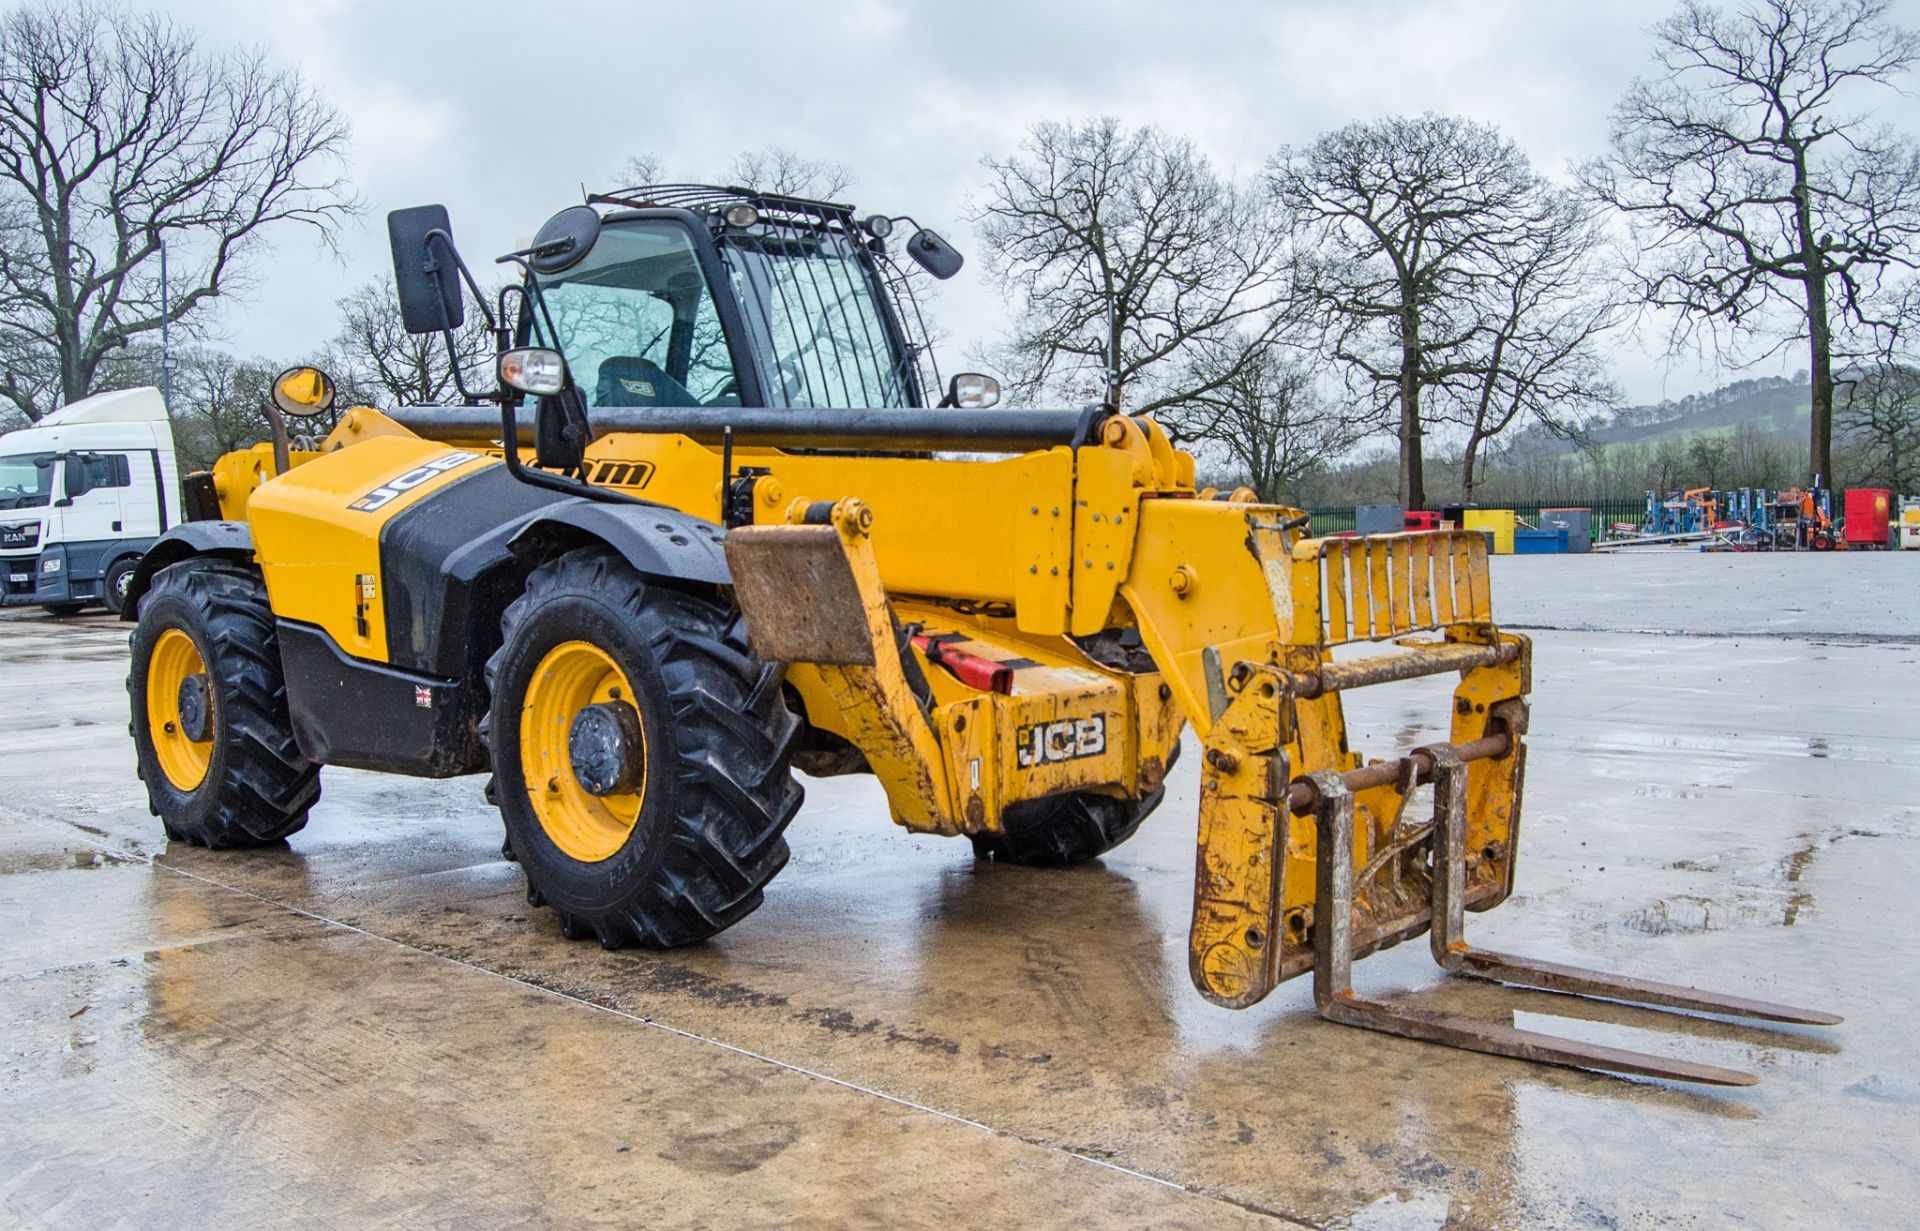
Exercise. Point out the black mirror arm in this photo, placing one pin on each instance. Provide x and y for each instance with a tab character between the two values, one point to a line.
510	453
432	268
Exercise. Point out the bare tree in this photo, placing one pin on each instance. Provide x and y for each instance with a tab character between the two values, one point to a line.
772	169
1549	307
1266	419
640	170
779	170
375	359
219	404
1881	415
1121	252
1755	193
1434	259
118	136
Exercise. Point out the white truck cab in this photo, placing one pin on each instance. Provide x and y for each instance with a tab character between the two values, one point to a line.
83	493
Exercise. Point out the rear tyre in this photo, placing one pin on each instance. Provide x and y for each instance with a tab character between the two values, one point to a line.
210	728
113	587
1062	830
641	754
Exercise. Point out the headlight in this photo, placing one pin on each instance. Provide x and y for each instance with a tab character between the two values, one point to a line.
742	215
532	369
50	564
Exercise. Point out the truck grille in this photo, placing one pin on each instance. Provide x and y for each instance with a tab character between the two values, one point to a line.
19	536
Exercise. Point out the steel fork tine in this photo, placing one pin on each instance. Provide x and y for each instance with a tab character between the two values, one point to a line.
1333	964
1452	951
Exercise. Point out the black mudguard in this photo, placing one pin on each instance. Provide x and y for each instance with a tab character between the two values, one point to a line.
231	540
659	541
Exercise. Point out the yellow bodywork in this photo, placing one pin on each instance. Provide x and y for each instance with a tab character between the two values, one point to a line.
1031	560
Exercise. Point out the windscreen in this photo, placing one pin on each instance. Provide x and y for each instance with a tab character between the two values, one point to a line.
26	480
637	323
811	306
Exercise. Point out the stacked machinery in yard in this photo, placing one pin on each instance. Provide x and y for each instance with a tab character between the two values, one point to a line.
731	540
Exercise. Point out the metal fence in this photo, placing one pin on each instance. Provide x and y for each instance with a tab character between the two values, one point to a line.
1332	520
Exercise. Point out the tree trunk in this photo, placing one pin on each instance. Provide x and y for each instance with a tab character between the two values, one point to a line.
1819	331
1820	344
1469	462
1413	487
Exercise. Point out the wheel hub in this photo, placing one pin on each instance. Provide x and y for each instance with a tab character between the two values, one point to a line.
195	712
606	748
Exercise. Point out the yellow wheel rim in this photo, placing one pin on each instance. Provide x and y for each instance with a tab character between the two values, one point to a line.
184	761
572	676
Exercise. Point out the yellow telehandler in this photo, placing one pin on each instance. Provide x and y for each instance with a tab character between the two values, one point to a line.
703	530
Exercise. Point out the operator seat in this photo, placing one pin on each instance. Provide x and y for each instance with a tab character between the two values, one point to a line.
629	380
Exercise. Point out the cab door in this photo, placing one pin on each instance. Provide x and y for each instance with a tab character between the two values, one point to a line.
94	485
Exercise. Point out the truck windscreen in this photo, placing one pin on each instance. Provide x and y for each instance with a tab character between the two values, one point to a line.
26	480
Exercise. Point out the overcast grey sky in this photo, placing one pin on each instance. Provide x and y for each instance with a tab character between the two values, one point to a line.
502	111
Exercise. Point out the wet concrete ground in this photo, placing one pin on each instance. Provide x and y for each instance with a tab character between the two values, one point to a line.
370	1026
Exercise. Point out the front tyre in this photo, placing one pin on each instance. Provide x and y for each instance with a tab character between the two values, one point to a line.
118	579
641	754
210	728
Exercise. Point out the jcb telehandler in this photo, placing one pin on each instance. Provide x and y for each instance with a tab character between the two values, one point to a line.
729	540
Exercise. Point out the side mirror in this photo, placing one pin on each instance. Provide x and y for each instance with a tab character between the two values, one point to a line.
564	240
972	391
304	392
425	275
76	479
933	254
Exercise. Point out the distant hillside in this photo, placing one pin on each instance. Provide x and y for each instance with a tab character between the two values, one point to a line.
1777	405
1781	408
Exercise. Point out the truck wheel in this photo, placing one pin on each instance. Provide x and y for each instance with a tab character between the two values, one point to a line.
210	727
640	754
1063	830
113	587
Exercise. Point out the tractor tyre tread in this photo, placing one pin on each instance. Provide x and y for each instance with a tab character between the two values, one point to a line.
732	792
263	786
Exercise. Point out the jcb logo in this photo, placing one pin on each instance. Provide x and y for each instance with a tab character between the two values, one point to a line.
623	474
395	488
1045	743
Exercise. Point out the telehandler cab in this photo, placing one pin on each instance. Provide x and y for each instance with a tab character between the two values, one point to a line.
730	540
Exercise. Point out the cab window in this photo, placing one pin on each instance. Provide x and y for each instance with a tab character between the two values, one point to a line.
90	471
637	322
26	480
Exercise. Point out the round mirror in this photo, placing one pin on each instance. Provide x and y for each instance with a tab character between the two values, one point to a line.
565	240
303	392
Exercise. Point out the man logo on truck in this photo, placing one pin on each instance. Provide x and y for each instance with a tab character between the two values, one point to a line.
395	488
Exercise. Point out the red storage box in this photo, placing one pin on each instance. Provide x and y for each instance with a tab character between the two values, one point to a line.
1420	519
1868	511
